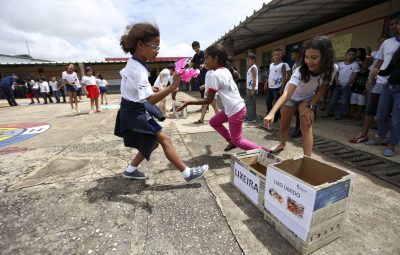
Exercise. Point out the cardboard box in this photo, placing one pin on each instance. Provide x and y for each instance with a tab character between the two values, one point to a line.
179	115
307	201
248	174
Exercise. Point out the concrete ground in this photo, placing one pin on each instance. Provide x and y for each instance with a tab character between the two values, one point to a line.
65	193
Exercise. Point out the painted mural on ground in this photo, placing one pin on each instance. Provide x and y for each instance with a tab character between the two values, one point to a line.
14	133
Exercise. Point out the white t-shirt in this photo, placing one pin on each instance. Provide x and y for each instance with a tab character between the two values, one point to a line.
102	83
166	76
89	80
135	85
385	53
70	77
304	90
35	84
221	81
249	78
54	85
346	70
275	76
288	69
44	87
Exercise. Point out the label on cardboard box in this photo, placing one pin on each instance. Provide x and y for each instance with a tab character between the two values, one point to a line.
290	201
331	194
247	182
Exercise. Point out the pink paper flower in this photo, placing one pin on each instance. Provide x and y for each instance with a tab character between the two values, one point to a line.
186	73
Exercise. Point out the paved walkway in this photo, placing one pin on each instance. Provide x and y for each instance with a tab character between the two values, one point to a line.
65	194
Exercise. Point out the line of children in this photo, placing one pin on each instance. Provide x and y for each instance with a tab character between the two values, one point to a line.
134	123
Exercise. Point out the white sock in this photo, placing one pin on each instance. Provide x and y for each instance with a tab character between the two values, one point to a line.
130	169
186	172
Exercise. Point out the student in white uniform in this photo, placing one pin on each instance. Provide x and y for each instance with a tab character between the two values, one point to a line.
134	123
303	91
162	82
70	80
251	88
219	79
92	90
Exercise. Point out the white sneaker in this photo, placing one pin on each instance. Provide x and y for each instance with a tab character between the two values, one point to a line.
91	112
78	111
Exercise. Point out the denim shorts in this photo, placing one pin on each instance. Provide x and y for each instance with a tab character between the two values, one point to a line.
295	104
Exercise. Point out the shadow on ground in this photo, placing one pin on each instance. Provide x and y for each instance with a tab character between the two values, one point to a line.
266	234
118	189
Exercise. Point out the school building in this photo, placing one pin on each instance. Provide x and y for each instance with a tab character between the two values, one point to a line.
287	24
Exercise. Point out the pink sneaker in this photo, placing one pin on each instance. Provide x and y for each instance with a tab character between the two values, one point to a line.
359	139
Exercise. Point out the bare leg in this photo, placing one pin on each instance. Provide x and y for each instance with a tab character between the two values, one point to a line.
367	123
203	112
105	97
215	106
96	103
170	151
163	106
139	157
71	99
306	131
286	117
75	97
91	104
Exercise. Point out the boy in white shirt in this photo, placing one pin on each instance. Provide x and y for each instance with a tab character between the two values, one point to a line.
276	81
54	86
45	90
347	72
251	88
162	81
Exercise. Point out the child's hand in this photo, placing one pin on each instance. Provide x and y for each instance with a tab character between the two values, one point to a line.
269	119
202	87
184	104
156	89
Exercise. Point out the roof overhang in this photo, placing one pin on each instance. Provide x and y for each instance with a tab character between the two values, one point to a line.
282	18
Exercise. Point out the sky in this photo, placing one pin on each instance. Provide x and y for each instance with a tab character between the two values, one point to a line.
89	30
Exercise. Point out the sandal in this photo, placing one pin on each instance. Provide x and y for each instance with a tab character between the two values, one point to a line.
277	148
230	147
198	122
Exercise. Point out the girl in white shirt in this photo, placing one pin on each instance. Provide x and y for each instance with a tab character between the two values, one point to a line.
103	86
70	80
134	123
302	92
91	89
219	79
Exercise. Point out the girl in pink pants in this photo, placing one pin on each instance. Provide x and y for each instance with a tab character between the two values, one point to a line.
219	79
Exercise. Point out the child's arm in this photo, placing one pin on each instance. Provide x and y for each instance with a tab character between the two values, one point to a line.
254	78
352	78
158	96
283	70
287	94
208	100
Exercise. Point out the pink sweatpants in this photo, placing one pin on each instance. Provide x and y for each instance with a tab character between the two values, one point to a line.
235	134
